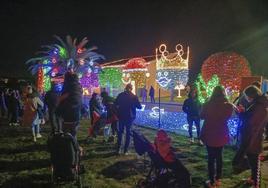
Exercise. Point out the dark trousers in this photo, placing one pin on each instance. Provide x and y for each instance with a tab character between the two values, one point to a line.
214	155
124	124
114	128
191	121
54	121
70	127
254	166
14	115
152	99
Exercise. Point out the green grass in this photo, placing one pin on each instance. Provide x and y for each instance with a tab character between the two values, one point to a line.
27	164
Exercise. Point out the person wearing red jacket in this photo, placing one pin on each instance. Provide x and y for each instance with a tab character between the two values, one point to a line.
215	133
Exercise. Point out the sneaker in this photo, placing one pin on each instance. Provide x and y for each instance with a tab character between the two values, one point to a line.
34	139
10	124
38	135
126	153
209	185
191	140
201	143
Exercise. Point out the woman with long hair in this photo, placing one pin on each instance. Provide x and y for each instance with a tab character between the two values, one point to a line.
70	103
215	134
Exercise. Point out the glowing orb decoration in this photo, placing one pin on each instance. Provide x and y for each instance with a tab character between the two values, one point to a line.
172	68
135	70
228	66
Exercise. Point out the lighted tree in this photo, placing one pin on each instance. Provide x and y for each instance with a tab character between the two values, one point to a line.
110	77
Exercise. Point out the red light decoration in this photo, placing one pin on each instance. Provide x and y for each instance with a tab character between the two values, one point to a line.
135	63
228	66
79	50
40	80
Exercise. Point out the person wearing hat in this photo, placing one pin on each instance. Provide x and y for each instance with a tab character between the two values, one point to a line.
126	104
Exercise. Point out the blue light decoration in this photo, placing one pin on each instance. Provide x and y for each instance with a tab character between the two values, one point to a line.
171	68
173	121
61	57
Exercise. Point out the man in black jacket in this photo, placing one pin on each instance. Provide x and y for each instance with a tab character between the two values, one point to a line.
126	103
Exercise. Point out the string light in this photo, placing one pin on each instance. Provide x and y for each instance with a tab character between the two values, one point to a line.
174	121
110	77
228	66
135	71
171	69
204	90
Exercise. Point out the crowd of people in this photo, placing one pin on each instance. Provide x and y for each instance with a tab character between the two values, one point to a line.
64	112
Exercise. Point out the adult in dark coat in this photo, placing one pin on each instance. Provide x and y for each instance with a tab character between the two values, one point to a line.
192	107
256	118
70	103
215	133
126	103
151	94
51	101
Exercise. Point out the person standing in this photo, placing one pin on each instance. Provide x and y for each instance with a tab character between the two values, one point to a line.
126	103
51	101
70	103
144	94
3	105
256	118
14	109
192	107
151	94
215	133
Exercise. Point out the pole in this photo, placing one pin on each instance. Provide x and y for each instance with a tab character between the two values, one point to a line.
159	118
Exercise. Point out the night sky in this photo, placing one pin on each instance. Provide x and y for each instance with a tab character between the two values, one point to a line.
122	29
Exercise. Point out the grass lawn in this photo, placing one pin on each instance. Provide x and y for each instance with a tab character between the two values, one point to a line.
26	164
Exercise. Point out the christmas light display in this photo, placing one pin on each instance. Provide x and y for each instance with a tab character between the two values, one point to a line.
88	82
56	59
174	121
110	77
204	90
171	68
228	66
135	71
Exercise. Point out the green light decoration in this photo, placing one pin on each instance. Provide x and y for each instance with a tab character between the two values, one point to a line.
110	77
62	52
46	78
47	83
204	90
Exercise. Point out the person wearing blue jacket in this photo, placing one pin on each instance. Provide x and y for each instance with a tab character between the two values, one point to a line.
192	108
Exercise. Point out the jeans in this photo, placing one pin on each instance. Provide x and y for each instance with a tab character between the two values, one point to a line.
35	129
191	121
122	125
253	161
214	155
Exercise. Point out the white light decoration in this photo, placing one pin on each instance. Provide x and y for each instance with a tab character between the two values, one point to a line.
171	68
179	88
142	107
155	112
85	91
147	74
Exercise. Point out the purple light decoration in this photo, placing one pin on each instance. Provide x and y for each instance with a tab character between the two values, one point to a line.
89	80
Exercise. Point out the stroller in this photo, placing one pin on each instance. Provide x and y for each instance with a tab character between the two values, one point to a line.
65	158
162	173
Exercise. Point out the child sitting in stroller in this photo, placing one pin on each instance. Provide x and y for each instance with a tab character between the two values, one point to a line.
168	169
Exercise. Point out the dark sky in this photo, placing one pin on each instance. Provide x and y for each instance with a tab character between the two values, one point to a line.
124	29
